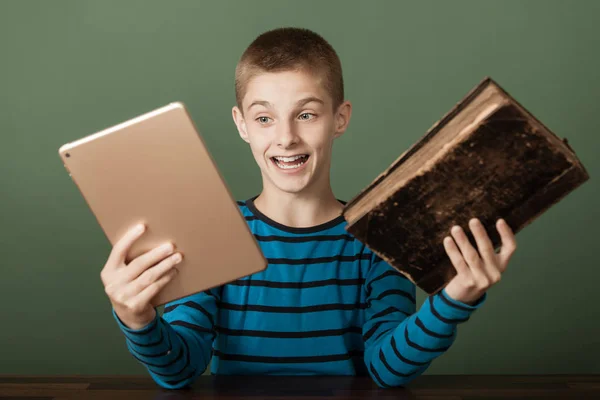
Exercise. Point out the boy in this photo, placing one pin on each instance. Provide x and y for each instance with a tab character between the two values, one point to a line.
326	304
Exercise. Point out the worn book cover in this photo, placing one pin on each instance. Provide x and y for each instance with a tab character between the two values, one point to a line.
487	158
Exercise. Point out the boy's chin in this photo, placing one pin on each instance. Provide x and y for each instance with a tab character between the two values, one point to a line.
291	188
291	185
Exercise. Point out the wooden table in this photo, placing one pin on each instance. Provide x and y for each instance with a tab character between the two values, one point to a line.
426	387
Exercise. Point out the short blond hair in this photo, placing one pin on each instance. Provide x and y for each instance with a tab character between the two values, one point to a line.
286	49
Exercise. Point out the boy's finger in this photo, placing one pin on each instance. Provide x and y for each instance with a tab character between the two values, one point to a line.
484	244
121	248
457	259
469	254
509	243
152	290
153	274
147	261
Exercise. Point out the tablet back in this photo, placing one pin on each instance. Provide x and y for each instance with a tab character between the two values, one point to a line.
156	169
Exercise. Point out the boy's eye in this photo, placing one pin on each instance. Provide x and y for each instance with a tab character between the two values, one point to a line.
306	116
263	120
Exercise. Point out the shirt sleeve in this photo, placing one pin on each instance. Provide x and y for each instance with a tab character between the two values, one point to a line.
176	347
401	343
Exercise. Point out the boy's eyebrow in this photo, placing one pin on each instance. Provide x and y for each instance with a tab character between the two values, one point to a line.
299	103
308	100
260	103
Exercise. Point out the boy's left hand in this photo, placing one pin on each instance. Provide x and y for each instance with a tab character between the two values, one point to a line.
477	272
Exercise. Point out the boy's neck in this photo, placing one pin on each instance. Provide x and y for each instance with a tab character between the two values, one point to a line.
299	211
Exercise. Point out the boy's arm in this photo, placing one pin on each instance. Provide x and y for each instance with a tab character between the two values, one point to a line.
400	343
176	348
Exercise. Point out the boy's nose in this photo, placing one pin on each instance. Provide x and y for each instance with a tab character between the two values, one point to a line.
286	136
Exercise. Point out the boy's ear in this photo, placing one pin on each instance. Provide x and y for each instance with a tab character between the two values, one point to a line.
342	118
238	118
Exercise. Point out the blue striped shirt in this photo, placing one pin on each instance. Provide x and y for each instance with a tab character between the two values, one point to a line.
325	305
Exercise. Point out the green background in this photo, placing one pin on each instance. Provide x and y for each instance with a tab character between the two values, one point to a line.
71	68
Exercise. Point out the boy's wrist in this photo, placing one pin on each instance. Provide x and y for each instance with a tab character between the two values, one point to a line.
139	325
453	311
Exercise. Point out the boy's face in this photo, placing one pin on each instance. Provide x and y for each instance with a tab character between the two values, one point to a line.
290	114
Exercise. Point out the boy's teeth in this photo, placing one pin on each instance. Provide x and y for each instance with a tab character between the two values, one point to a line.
284	162
288	159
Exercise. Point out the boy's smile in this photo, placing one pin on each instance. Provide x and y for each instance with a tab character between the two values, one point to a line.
292	164
289	121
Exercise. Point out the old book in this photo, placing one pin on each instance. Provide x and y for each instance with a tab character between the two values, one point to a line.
487	158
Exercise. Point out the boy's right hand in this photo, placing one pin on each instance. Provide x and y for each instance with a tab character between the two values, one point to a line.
131	287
